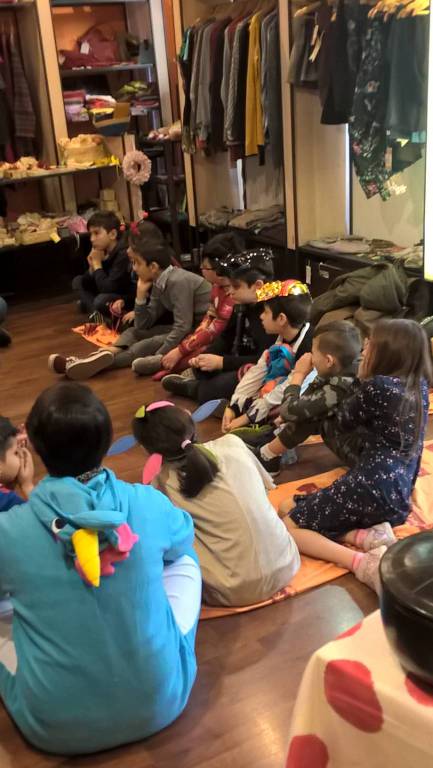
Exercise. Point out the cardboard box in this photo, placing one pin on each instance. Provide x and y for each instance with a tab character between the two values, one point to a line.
107	194
109	205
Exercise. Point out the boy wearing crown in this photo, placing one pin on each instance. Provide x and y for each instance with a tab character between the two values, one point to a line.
286	311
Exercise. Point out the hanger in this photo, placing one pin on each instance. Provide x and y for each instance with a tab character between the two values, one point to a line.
307	8
414	8
387	7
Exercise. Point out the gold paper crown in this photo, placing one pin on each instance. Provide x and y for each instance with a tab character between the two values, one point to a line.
281	288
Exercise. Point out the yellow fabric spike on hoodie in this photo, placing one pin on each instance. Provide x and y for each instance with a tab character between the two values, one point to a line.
86	545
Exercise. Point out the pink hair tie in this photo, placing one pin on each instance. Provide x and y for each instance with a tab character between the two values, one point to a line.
184	443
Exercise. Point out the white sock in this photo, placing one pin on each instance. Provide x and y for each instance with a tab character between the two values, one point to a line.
266	453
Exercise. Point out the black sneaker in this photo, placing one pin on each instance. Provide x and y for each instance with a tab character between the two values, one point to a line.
179	385
5	338
272	466
254	435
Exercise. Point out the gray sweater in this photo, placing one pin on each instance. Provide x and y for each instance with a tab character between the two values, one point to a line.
183	293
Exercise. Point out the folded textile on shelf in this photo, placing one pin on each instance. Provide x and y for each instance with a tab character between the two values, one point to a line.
218	218
261	218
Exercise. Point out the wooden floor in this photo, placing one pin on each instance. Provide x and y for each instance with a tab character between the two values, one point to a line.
250	666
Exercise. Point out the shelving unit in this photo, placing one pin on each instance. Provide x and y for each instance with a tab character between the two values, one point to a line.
170	176
44	176
93	71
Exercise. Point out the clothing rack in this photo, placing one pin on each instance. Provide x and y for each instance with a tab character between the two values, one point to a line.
245	183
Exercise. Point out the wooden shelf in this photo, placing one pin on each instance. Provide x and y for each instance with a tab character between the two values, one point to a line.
74	3
94	71
59	173
19	246
19	5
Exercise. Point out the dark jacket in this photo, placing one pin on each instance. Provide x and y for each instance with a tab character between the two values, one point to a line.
382	288
114	276
245	338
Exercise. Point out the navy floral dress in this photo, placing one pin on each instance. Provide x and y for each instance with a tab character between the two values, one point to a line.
379	487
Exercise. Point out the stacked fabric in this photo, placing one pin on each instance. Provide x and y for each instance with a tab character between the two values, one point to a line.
74	102
231	77
137	94
251	220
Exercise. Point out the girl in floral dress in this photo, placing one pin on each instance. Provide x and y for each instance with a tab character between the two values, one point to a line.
388	411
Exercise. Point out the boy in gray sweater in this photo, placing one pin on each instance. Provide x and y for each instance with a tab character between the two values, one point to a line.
170	302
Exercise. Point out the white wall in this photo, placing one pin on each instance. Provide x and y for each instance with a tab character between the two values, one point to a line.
400	219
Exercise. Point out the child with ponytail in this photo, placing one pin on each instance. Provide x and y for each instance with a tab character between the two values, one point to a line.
245	552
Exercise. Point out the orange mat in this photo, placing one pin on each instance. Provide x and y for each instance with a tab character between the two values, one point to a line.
313	572
99	335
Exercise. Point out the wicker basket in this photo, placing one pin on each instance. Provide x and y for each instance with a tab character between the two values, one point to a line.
84	156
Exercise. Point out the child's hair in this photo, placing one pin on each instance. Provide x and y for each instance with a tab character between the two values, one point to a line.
220	246
248	266
152	251
7	432
70	429
144	231
165	430
296	308
341	340
105	220
400	348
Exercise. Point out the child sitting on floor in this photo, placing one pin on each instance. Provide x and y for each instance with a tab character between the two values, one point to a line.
285	311
108	277
245	551
218	314
389	412
335	356
16	467
105	587
215	373
161	288
123	309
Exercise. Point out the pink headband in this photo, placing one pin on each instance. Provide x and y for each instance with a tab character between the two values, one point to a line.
143	409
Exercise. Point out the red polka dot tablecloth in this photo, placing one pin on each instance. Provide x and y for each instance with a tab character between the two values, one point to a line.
357	708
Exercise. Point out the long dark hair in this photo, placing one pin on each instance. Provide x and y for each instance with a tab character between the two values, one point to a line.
400	348
170	431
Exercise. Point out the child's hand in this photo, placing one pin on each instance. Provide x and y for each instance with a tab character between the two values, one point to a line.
26	472
143	288
241	421
278	421
304	365
117	307
209	362
228	417
22	439
129	317
171	359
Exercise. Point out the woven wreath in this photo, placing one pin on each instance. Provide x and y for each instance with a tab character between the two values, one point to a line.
136	167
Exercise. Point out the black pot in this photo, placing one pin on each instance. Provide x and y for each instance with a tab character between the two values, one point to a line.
406	604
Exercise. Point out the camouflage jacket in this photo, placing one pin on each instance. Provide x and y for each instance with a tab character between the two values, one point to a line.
303	415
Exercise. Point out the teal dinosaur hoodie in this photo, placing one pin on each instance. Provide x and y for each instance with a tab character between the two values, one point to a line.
97	666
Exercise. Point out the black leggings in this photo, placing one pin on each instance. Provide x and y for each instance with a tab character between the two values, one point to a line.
216	385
